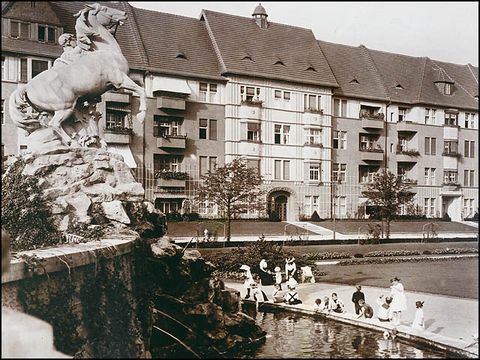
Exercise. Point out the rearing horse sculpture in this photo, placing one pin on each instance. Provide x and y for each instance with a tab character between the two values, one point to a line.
93	72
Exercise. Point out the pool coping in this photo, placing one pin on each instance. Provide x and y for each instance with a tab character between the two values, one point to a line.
404	332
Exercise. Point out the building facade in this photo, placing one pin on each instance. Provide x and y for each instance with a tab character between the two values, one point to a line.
316	119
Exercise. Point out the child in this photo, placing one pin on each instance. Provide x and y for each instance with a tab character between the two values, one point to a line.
317	307
365	310
356	297
335	304
326	303
248	279
258	294
384	313
291	297
278	277
278	294
418	322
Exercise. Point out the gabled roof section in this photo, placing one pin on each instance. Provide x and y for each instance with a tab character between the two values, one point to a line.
397	69
166	35
126	35
297	47
30	11
465	85
354	71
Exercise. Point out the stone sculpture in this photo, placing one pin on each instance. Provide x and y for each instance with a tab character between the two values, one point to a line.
91	64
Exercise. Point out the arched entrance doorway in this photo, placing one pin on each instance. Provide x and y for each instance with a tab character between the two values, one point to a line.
279	207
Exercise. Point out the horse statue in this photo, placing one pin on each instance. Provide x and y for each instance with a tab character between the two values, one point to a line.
95	65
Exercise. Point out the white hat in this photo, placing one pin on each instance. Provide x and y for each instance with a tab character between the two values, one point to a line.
245	267
277	269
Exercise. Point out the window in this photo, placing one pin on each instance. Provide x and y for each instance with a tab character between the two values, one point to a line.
310	205
38	66
207	163
367	173
282	134
4	72
339	107
23	149
427	116
208	92
19	30
429	176
314	172
3	111
402	172
450	177
207	129
430	146
402	112
164	126
434	112
168	206
339	139
252	131
254	164
469	120
23	70
278	94
116	118
250	93
402	143
167	163
370	112
429	207
368	143
339	172
448	88
341	206
469	149
286	95
312	102
212	163
450	147
469	177
313	136
468	208
451	119
282	172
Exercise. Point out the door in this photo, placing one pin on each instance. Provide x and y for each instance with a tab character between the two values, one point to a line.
281	207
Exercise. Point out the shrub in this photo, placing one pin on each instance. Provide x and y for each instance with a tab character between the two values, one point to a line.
392	253
326	256
26	214
193	216
174	216
427	252
358	255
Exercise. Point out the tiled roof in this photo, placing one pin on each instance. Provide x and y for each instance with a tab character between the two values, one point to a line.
126	35
401	74
239	38
354	71
30	47
177	44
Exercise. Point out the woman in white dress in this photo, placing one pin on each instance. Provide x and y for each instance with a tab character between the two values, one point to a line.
399	302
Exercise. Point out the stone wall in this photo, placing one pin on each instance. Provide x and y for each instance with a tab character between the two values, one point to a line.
122	297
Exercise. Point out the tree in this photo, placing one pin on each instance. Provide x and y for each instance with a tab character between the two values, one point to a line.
234	188
388	192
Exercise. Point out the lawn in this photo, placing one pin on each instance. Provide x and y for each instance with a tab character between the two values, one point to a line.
453	277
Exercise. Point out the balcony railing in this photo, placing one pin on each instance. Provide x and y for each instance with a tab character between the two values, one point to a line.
452	154
172	141
410	152
314	111
409	181
171	103
258	103
117	134
166	178
372	116
374	149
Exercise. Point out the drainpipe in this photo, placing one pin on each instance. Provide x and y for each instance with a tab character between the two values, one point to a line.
385	125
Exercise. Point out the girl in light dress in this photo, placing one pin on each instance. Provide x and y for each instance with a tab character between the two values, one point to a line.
399	302
419	321
248	279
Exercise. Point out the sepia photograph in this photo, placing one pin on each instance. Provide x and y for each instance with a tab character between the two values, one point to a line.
240	180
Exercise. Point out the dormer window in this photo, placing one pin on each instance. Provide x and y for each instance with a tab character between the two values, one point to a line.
310	68
445	87
447	90
354	81
279	62
247	57
181	55
19	30
46	34
399	87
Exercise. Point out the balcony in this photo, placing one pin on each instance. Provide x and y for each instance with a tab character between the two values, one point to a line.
170	103
412	183
371	154
116	97
168	141
406	126
407	155
117	135
372	121
256	103
451	189
165	178
452	154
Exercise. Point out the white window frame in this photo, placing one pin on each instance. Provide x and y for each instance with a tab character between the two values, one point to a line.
402	114
430	176
3	112
252	134
247	95
307	102
283	131
341	137
340	107
209	92
313	136
283	172
430	147
315	172
339	172
429	207
450	176
469	149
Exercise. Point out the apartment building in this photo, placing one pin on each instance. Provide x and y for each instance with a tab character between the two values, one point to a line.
316	119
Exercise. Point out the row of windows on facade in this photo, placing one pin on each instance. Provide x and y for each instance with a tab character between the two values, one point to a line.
339	170
33	31
312	203
29	68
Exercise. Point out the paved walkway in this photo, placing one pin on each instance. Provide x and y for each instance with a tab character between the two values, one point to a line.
449	320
